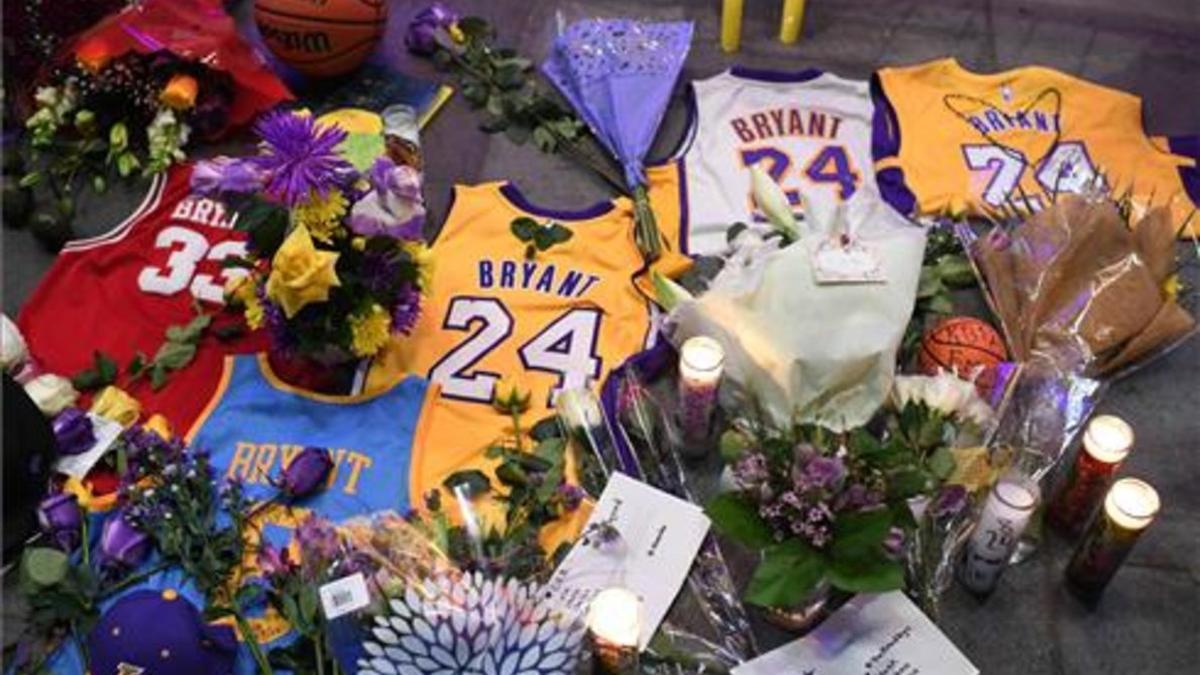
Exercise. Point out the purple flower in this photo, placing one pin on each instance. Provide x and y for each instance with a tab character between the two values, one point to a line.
61	520
422	30
317	538
122	544
856	497
307	472
750	470
73	431
893	543
825	472
299	157
950	502
572	496
407	310
393	207
225	175
273	561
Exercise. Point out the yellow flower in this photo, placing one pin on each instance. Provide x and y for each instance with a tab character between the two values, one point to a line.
159	425
254	313
370	332
117	405
422	256
509	396
242	291
301	273
322	215
180	92
456	33
359	243
957	208
1171	287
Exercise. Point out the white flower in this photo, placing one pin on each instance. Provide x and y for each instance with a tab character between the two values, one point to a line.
944	392
51	393
47	96
947	393
773	202
13	351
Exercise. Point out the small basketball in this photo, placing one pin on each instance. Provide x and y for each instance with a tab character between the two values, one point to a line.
321	38
962	344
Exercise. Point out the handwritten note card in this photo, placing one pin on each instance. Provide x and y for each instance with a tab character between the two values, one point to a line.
659	537
882	634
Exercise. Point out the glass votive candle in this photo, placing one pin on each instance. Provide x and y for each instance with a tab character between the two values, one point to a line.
1006	513
615	625
1106	443
1129	508
701	361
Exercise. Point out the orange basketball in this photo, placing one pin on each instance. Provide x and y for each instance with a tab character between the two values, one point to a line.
962	344
321	38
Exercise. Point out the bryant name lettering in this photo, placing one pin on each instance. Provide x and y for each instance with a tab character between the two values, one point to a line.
531	275
203	211
257	463
993	121
780	122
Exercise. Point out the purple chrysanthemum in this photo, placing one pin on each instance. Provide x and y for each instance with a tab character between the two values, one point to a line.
299	157
407	310
379	270
283	340
222	175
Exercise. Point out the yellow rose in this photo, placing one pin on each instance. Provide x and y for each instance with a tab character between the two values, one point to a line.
509	396
159	425
115	404
300	273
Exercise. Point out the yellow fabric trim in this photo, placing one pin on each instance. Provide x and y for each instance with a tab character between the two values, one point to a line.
264	366
226	374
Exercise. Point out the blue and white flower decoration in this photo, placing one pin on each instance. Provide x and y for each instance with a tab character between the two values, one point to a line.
468	625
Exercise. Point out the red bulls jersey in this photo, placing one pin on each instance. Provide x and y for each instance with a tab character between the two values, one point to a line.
120	291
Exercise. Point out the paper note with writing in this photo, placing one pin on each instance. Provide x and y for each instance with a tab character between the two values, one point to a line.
883	634
78	466
847	261
659	537
344	595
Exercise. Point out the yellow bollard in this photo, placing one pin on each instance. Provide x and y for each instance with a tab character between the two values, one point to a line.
793	21
731	24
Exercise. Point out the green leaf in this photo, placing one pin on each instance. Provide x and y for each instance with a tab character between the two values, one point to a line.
546	428
86	380
908	483
551	449
787	574
956	271
739	520
542	239
544	140
106	368
137	364
495	106
44	566
941	463
860	533
511	474
118	137
158	377
30	179
560	234
474	27
509	76
524	228
474	481
99	184
174	355
867	574
308	604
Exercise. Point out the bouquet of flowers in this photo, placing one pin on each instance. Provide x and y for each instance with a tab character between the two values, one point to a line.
116	105
338	263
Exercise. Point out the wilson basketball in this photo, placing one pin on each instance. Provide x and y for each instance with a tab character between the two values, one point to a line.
962	344
321	38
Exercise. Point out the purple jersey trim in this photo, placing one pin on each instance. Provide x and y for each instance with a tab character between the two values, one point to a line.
885	143
1188	146
512	194
778	76
685	223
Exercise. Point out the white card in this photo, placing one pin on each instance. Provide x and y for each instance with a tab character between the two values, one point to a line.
344	595
883	634
660	536
78	466
847	262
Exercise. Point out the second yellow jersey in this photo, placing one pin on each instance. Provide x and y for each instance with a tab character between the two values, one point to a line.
947	139
560	319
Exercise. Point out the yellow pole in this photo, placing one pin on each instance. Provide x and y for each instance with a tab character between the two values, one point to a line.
731	24
793	21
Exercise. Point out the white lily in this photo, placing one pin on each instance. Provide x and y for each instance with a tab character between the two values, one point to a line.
667	293
774	203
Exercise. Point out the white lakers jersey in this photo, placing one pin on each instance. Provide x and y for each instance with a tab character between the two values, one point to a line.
810	131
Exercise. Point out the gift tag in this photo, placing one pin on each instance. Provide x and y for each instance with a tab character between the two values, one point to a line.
78	466
344	596
847	260
884	634
656	538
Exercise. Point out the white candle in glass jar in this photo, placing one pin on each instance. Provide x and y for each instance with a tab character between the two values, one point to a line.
1005	515
1108	439
615	623
701	362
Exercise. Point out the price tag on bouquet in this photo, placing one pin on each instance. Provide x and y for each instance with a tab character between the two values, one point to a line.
884	634
639	538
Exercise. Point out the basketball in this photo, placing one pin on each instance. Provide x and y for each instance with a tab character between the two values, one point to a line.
962	344
321	38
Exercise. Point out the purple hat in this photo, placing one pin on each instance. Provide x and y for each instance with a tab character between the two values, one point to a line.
153	632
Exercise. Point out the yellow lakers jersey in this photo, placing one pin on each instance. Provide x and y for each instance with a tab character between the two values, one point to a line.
558	320
947	140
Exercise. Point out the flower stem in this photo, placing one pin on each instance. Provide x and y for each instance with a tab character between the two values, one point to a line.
320	653
250	638
131	580
516	419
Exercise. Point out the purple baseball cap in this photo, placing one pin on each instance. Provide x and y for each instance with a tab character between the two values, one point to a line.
153	632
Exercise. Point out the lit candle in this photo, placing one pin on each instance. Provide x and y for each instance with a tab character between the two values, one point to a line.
1129	508
1106	443
615	623
701	360
1005	514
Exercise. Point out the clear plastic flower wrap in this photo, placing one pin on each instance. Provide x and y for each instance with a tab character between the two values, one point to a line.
1085	291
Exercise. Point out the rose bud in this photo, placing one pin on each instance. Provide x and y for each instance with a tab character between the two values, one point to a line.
180	92
509	397
73	432
307	472
122	544
61	520
422	31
